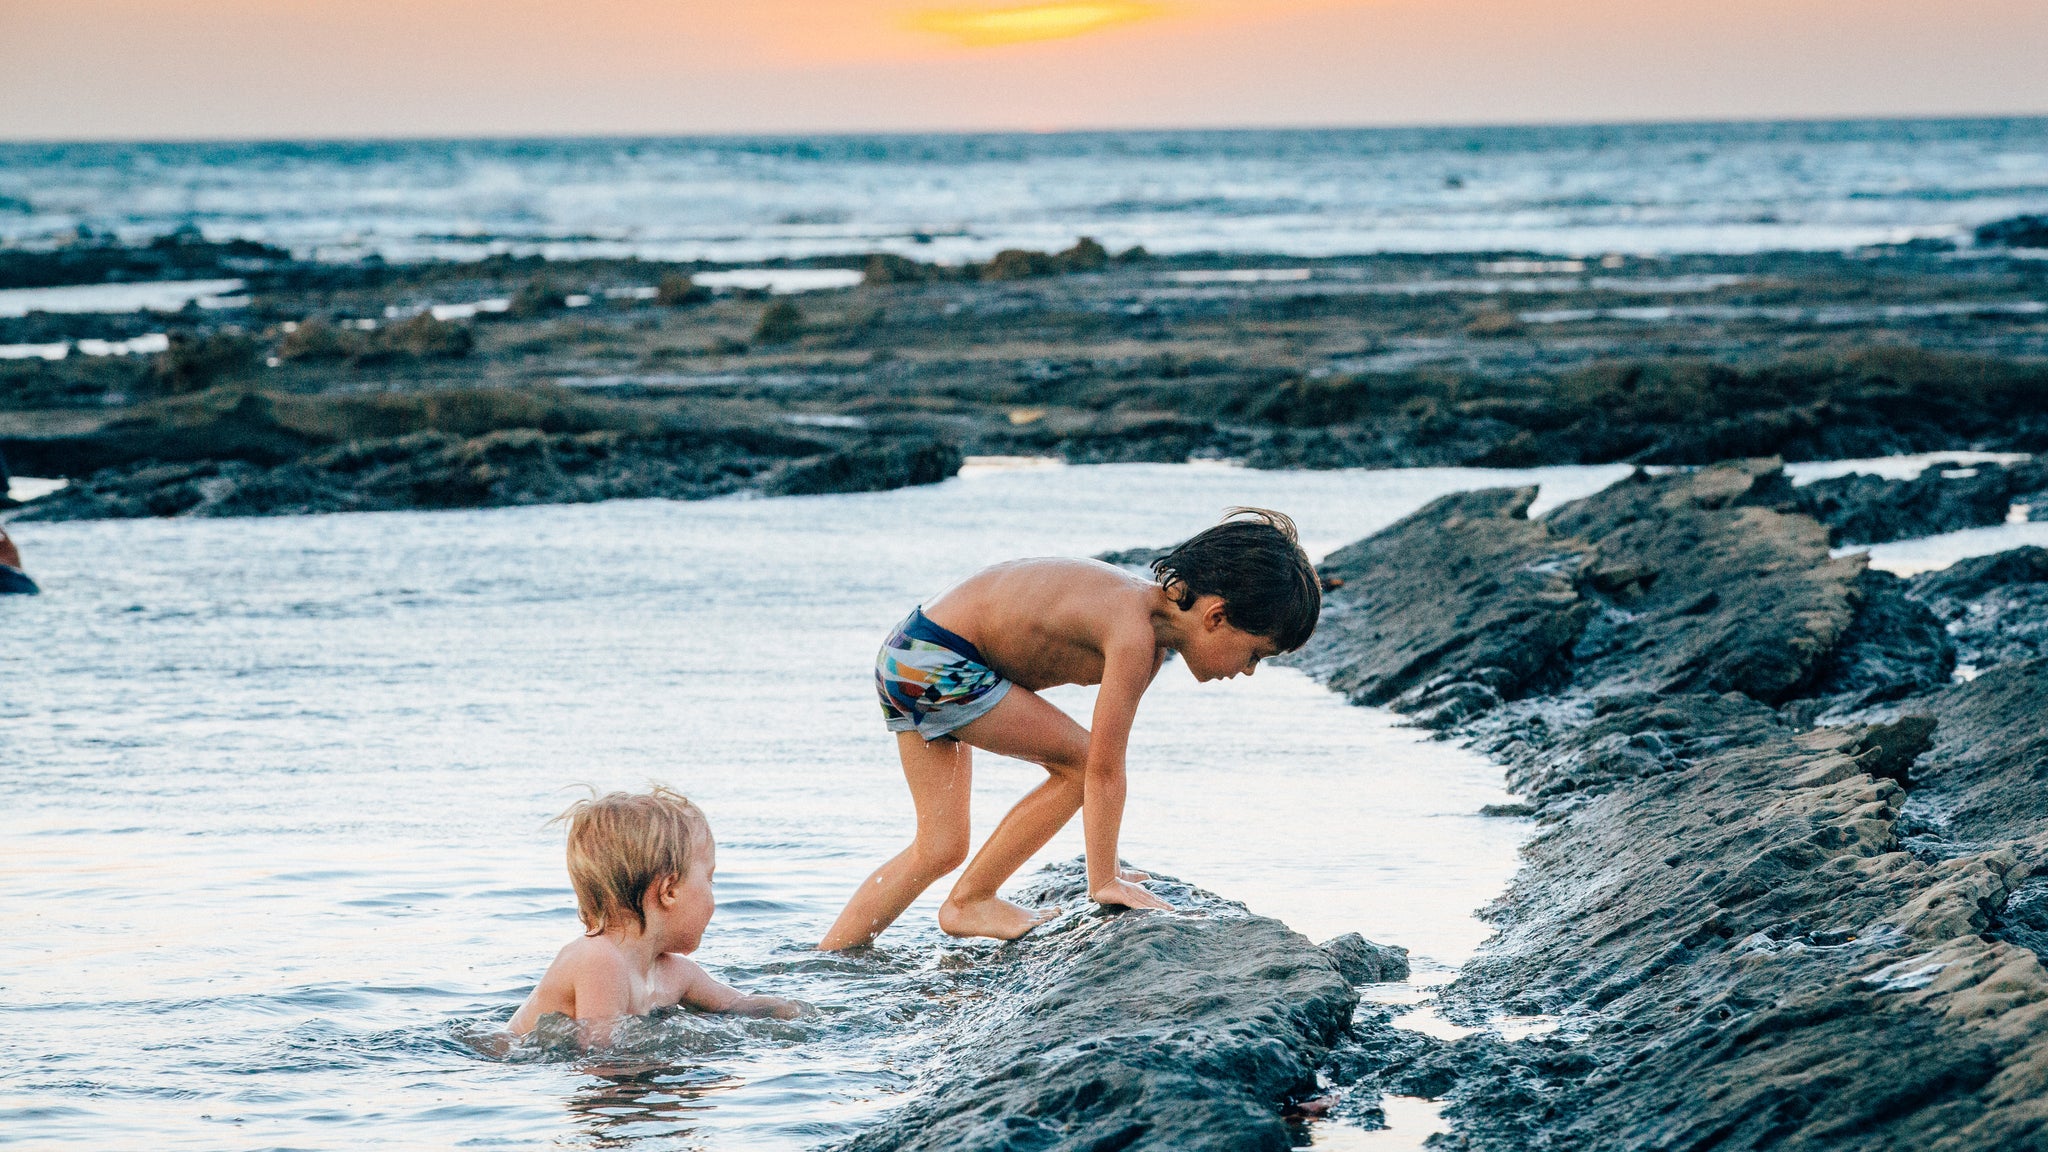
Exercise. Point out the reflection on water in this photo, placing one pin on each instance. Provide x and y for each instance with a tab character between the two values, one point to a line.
617	1107
274	854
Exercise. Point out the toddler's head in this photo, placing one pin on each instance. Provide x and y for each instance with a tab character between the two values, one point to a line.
625	845
1253	562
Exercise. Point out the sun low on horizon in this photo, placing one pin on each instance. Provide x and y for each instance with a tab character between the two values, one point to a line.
988	27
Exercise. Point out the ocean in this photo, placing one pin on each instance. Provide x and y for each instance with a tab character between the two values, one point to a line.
1581	191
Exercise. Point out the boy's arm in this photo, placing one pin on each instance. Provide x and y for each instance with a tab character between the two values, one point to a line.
701	990
1127	670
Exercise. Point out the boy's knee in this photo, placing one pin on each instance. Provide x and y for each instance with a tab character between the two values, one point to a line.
939	855
1070	764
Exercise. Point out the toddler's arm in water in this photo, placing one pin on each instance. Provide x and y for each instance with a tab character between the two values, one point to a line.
702	991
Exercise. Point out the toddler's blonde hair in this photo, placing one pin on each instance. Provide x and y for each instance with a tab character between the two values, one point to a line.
620	843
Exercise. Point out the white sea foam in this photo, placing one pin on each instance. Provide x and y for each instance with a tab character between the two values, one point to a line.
156	296
781	281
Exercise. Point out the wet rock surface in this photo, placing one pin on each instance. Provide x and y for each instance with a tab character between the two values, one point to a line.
1864	509
1454	608
1385	360
1131	1031
1995	607
1758	933
258	455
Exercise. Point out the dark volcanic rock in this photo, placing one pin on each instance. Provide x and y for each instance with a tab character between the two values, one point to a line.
868	468
1460	605
1702	593
256	454
1995	607
1863	509
1662	584
436	470
244	428
1763	934
1894	647
1131	1031
1364	962
1981	782
1759	961
2015	232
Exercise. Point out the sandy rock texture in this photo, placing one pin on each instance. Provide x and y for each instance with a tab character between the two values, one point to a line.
1134	1031
1759	931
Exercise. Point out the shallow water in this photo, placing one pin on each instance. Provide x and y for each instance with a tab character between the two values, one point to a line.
273	798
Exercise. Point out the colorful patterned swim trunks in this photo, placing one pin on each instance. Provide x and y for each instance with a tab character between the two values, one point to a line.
933	681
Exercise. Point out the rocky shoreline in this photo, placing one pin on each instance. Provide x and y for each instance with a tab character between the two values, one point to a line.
1757	931
1494	359
1789	885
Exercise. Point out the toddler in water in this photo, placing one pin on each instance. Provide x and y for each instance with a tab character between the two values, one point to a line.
965	670
641	866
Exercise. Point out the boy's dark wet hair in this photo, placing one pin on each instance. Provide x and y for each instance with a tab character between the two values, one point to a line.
1255	563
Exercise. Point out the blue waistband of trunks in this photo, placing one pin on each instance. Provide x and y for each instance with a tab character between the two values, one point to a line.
933	680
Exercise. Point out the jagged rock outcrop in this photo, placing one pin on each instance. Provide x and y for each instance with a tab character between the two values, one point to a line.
1995	607
1130	1031
1759	933
1453	609
1865	509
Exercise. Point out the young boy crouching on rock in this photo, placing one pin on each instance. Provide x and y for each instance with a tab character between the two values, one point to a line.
641	865
964	671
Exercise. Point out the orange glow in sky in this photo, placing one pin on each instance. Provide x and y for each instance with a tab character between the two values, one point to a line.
988	27
130	69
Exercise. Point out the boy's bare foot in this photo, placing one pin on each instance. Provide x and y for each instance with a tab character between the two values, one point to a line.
994	917
1121	891
1133	875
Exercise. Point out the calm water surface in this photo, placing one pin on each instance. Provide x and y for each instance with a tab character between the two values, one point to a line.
273	855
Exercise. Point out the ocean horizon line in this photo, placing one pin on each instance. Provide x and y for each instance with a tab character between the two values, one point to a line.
1949	120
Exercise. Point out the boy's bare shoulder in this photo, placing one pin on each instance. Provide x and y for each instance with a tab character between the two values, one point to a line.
587	956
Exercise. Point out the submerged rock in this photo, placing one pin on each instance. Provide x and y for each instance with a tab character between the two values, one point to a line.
1130	1031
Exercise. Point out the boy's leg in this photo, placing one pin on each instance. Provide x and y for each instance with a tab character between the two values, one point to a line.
941	774
1024	726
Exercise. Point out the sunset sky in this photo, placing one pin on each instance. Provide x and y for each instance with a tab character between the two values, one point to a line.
130	69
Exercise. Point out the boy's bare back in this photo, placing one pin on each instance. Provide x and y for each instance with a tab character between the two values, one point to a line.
1053	620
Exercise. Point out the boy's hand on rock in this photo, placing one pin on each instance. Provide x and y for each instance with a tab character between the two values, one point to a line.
1129	895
